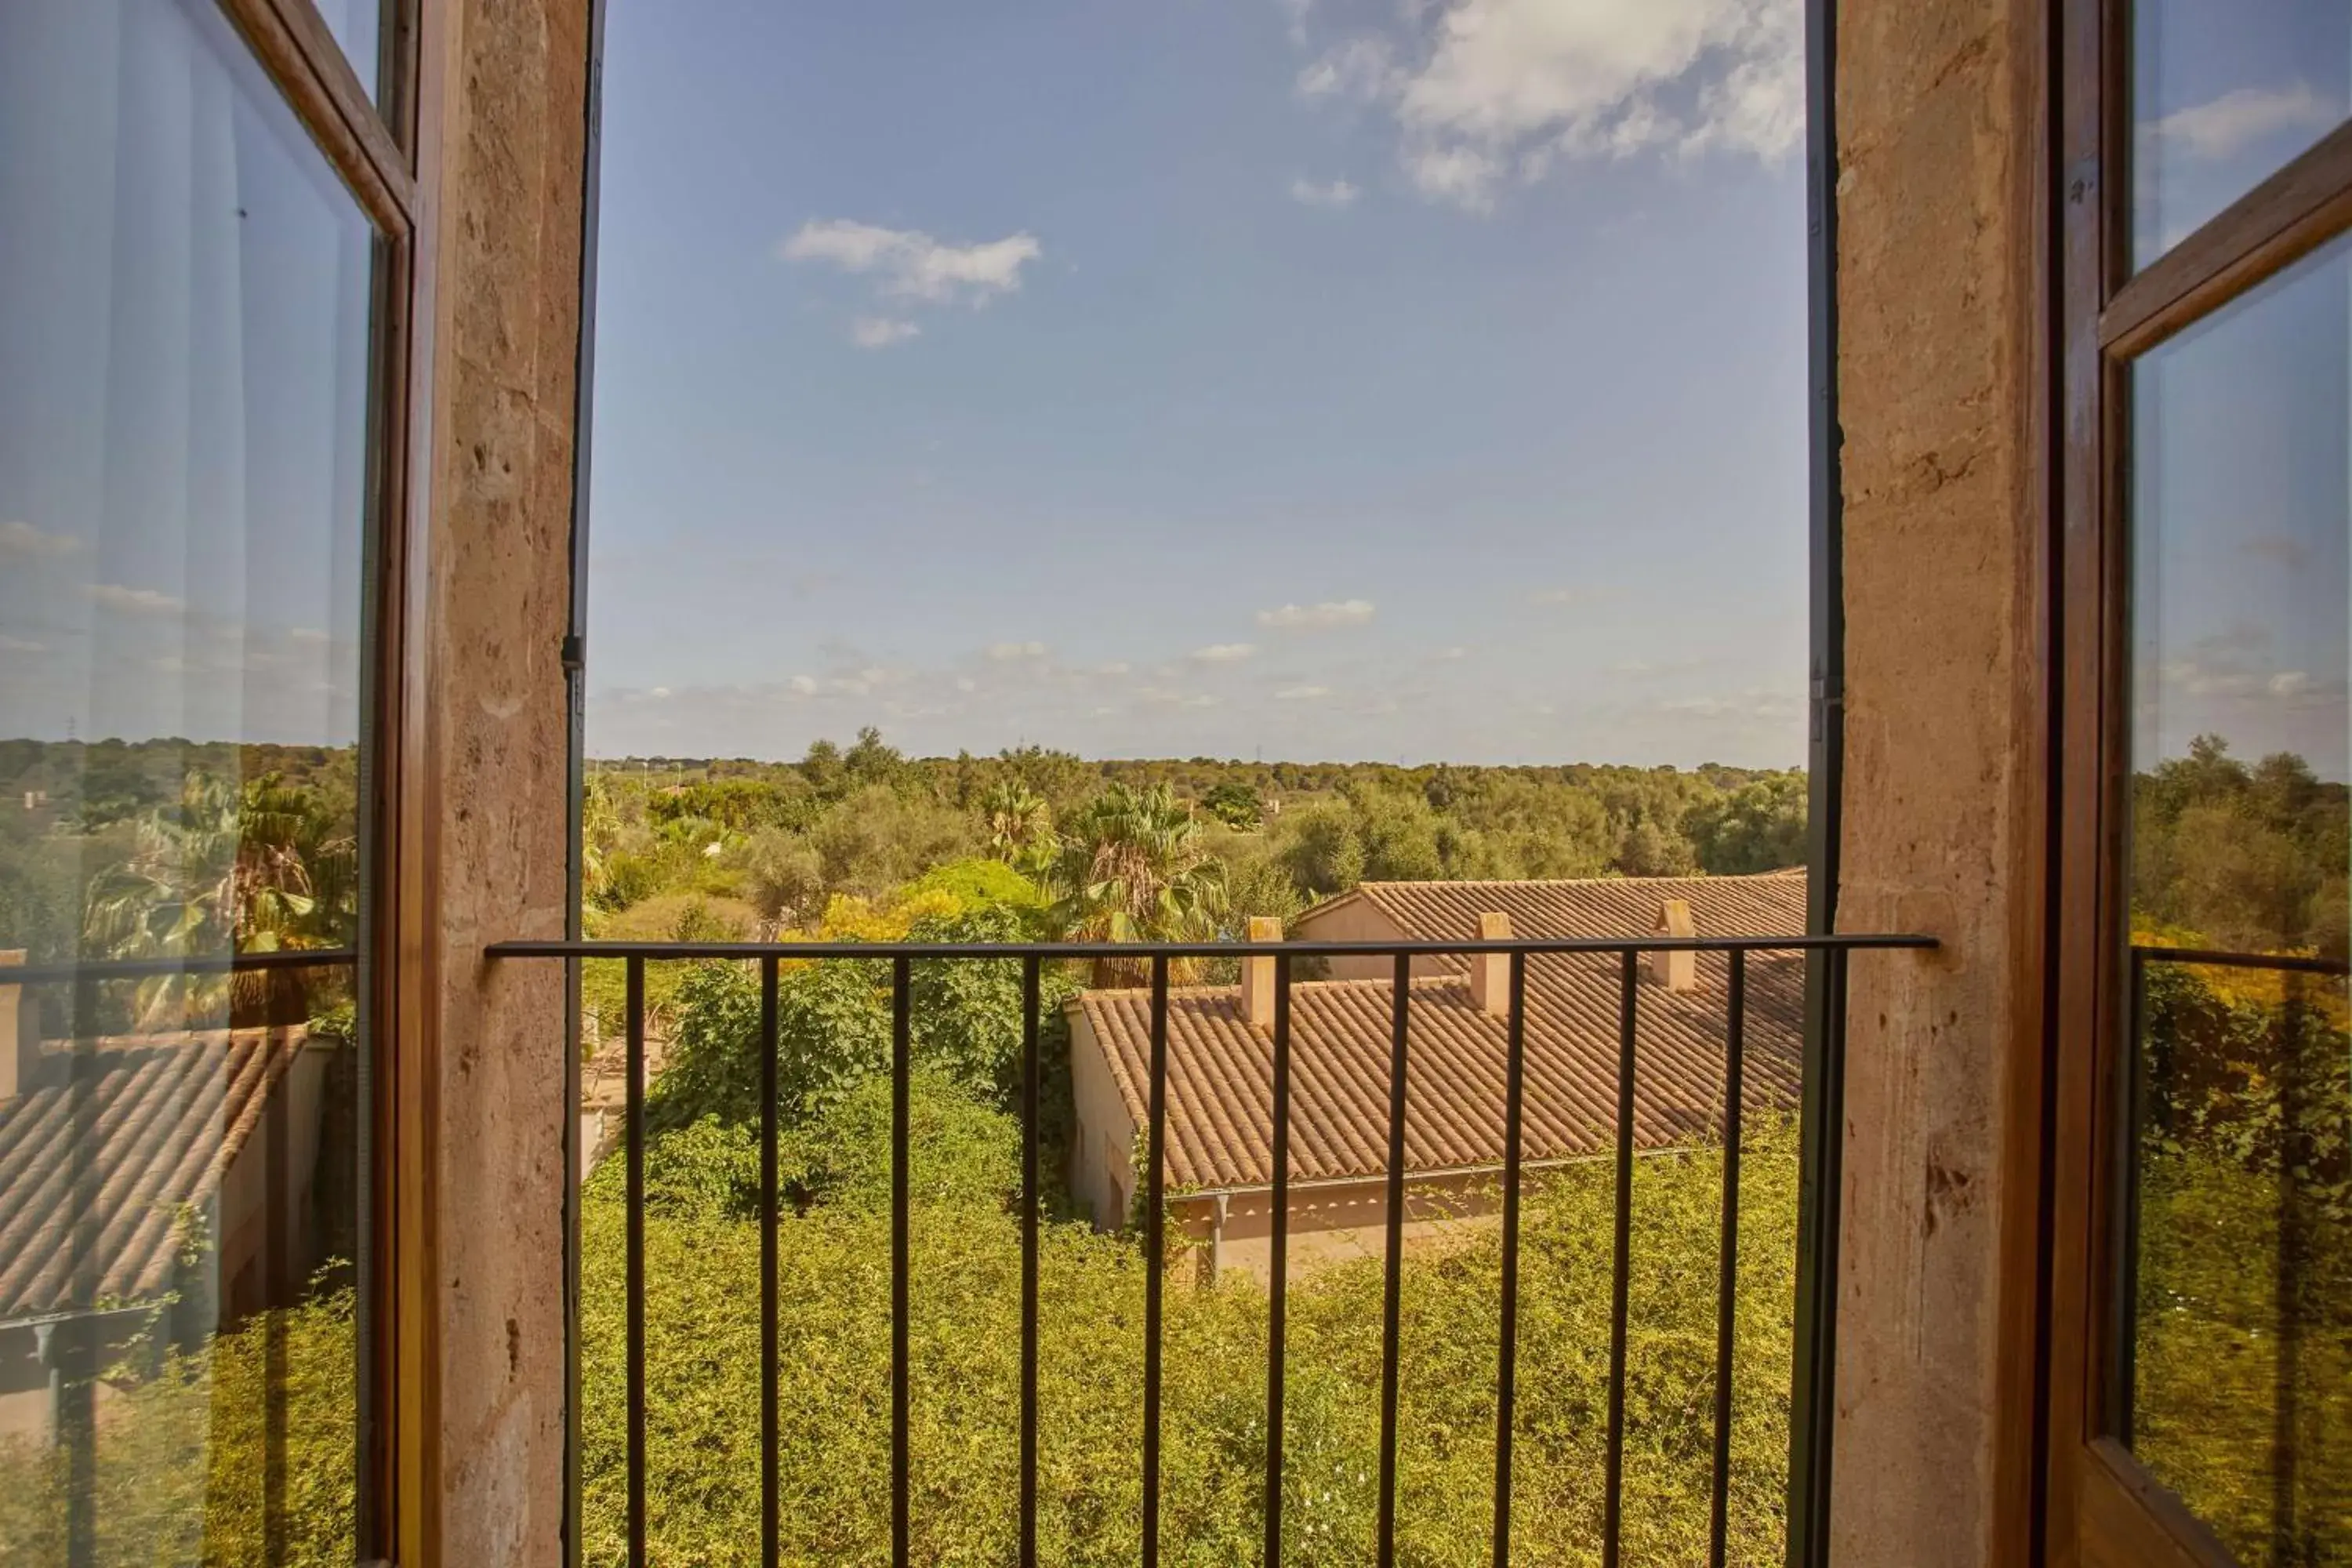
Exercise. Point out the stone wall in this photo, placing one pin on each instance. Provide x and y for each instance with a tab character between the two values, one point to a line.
1937	353
504	100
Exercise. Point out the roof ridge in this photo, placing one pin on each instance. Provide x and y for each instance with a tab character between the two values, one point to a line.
1572	881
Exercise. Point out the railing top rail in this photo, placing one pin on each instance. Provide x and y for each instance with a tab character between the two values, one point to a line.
105	969
1147	950
2224	959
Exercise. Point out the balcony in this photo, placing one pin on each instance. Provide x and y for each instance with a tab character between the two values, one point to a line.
675	1472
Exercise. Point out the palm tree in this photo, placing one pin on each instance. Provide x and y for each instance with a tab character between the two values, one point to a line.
266	867
1133	867
1020	827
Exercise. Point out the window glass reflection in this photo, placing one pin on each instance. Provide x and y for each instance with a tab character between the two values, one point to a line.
2238	1378
2225	92
358	25
183	466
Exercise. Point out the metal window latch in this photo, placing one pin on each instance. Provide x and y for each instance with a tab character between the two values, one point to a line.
1828	696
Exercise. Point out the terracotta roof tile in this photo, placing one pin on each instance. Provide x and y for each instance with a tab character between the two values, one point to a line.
143	1126
1220	1068
1770	904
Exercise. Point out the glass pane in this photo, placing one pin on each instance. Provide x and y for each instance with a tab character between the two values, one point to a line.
358	25
184	336
2224	93
2236	1391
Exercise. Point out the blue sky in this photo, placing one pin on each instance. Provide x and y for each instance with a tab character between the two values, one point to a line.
1396	379
1297	378
1217	376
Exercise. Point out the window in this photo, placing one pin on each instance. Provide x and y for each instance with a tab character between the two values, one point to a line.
193	477
2202	1310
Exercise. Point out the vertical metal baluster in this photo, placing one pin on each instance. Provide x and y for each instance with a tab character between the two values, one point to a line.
1728	1286
901	1066
1613	1515
2134	1094
1155	1259
1030	984
1279	1261
1392	1287
69	1374
769	1522
276	1246
635	1284
1508	1358
2289	1540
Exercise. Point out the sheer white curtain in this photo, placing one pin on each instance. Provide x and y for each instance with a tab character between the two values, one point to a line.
184	350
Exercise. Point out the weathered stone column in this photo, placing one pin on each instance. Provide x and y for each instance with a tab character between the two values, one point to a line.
502	113
1937	289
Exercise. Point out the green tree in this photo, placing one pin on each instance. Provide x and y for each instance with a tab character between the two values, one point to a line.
1020	827
1234	803
1134	867
266	868
1322	848
1760	826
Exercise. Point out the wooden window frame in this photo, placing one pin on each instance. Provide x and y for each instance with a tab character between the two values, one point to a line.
2102	1506
373	146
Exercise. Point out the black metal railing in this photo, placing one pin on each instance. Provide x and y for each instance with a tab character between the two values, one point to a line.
2295	972
1832	952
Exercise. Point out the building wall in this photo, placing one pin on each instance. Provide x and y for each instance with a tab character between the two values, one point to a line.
502	118
241	1218
1102	1158
1334	1223
1358	920
1938	355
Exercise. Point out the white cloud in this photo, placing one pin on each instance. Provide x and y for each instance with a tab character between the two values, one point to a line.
1316	617
1225	652
1569	596
661	691
2231	123
1006	652
311	636
911	265
1779	706
2290	683
1336	194
881	331
23	541
1484	89
1164	697
1450	654
1463	175
1360	68
18	645
132	601
803	685
1301	693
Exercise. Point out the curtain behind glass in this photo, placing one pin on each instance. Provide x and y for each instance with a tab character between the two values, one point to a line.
183	421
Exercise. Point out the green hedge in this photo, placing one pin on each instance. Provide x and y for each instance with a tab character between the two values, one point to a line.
702	1361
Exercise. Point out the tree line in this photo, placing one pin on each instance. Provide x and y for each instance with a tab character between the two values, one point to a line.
1168	847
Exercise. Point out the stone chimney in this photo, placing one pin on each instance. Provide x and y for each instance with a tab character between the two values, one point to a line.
1257	973
1675	971
20	1033
1490	973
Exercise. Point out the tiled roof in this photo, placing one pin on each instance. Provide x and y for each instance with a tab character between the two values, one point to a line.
1220	1069
1770	904
143	1126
